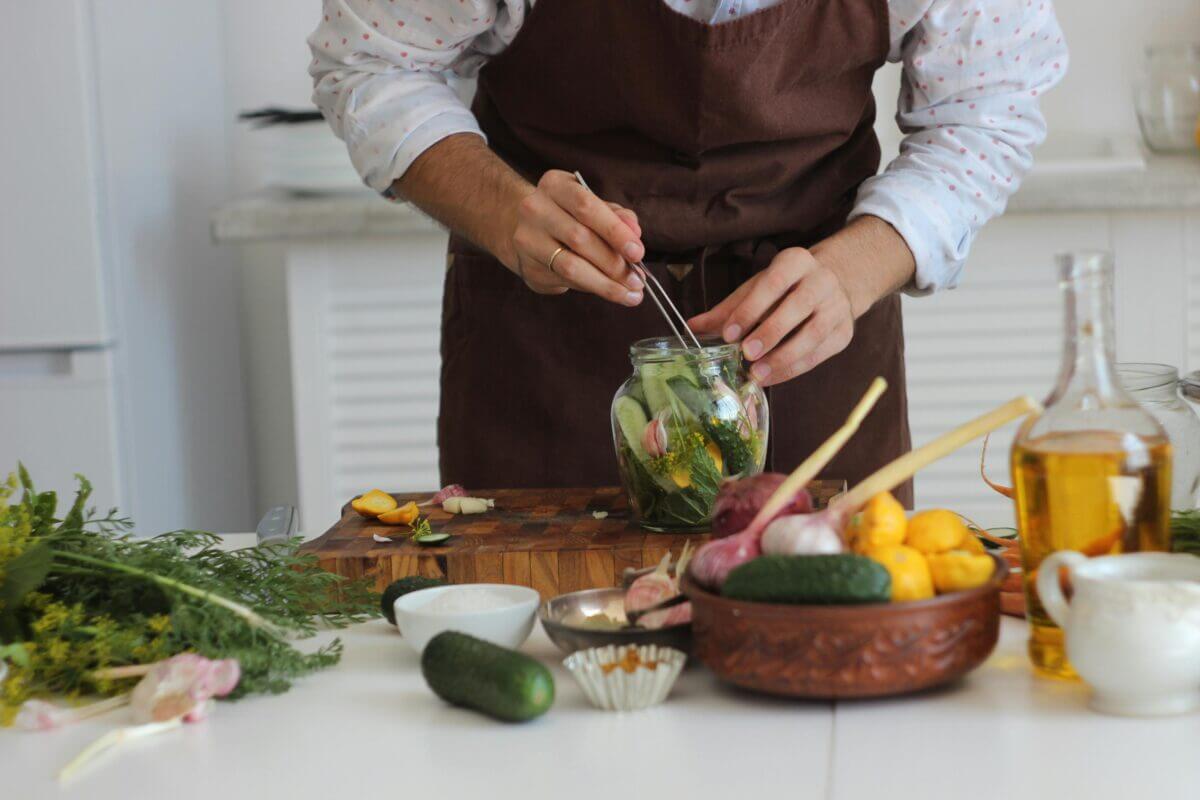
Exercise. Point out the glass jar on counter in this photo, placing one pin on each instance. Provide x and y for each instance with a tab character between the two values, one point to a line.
683	422
1156	387
1167	98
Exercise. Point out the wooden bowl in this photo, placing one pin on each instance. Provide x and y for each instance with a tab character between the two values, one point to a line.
834	652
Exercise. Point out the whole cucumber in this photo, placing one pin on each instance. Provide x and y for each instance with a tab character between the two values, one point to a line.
841	579
502	683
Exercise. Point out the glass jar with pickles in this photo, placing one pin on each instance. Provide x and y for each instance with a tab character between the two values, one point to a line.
683	422
1092	472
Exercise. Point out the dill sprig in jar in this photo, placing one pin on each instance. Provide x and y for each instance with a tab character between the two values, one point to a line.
683	422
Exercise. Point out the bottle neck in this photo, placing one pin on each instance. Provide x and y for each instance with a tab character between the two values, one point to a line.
1089	352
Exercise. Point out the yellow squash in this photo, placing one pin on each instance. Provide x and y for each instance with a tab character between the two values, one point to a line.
373	503
911	579
881	523
959	570
936	531
404	515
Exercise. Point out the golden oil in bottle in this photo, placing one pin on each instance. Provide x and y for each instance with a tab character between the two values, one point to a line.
1098	492
1092	472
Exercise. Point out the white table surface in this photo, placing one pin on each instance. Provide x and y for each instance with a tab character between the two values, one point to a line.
370	728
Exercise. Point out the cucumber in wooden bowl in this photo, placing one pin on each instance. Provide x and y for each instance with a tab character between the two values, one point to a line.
472	673
841	579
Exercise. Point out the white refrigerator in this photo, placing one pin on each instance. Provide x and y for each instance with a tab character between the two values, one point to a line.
57	387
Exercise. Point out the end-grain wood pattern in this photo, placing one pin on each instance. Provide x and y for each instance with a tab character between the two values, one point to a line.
547	539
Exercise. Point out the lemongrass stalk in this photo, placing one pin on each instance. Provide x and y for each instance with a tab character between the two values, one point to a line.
128	671
903	468
251	616
111	741
819	458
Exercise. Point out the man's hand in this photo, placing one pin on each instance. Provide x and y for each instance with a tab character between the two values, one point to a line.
598	239
790	317
800	310
464	185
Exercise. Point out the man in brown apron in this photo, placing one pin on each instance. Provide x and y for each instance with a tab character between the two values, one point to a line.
740	147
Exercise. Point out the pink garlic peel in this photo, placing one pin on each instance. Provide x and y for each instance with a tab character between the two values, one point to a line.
739	500
654	437
652	589
716	559
181	685
39	715
675	615
804	535
439	497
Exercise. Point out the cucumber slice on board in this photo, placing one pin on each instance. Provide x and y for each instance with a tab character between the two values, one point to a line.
632	420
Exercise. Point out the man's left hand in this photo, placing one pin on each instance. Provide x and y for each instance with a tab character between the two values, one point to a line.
790	317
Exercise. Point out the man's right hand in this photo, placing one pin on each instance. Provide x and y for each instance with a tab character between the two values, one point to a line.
465	186
599	240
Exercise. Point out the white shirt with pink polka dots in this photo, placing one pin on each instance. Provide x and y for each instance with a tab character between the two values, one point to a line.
973	71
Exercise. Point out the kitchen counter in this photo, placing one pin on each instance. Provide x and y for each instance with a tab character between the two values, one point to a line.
1166	182
370	728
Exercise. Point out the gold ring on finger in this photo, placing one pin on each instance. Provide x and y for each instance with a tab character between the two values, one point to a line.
556	254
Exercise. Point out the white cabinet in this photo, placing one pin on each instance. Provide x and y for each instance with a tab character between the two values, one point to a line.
50	276
59	403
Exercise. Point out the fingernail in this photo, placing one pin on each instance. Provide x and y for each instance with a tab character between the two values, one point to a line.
752	349
633	251
633	298
760	372
634	282
733	332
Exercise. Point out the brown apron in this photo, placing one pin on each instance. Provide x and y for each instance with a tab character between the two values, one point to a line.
731	142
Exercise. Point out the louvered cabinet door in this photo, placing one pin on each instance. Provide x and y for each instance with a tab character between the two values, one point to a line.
997	336
364	320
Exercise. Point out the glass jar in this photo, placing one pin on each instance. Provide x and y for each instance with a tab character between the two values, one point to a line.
1156	387
1167	98
683	422
1093	471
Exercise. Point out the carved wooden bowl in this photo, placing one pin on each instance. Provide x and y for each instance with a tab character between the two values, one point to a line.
832	652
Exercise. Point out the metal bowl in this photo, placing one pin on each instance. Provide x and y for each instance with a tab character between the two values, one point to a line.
589	602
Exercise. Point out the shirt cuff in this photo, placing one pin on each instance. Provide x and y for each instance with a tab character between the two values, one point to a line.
938	239
386	153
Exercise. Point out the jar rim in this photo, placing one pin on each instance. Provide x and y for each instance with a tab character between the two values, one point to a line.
668	348
1141	376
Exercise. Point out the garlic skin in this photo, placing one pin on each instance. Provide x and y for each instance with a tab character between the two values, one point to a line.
802	535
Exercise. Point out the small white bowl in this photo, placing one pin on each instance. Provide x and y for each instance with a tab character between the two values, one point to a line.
619	690
508	624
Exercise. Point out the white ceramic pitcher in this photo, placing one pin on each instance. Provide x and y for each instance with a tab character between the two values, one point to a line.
1132	628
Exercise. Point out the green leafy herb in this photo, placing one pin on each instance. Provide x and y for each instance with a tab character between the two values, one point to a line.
1185	531
81	593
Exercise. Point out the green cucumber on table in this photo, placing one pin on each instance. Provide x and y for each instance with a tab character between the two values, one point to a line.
502	683
397	589
842	579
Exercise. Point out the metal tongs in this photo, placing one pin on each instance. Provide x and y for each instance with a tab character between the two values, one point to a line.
652	283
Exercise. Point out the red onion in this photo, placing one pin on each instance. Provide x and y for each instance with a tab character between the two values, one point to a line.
739	501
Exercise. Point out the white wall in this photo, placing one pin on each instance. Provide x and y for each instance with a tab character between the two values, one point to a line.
160	97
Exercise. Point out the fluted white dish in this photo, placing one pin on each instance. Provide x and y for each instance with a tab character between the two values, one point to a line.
619	690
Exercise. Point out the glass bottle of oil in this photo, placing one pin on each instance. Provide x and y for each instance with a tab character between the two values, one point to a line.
1093	471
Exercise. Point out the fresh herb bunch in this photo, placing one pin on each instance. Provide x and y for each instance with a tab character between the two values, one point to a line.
80	593
689	505
1185	531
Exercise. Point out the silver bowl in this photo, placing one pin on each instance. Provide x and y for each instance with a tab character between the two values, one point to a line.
589	602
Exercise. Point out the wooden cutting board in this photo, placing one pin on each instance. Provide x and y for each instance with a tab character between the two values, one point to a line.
547	539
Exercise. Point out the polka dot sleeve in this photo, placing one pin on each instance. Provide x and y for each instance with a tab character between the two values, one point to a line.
973	75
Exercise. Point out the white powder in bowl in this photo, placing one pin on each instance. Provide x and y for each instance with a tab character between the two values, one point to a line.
467	599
